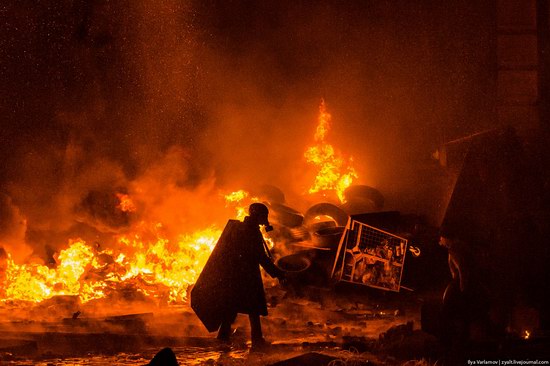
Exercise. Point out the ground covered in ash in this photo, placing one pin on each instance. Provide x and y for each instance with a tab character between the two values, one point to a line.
342	325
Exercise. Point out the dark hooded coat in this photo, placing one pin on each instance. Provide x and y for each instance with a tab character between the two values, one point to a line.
231	281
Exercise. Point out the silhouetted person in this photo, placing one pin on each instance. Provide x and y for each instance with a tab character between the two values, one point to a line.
465	300
231	283
486	230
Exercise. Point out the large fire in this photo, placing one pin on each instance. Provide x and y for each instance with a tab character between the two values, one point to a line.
158	268
147	261
335	173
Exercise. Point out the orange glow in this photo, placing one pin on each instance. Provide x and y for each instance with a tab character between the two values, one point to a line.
334	172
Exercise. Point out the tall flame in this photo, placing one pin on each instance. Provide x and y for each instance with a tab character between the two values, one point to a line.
335	173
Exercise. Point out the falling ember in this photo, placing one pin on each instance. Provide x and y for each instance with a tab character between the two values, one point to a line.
526	334
125	203
335	173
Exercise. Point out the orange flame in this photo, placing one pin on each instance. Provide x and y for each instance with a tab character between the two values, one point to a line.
175	265
158	268
335	173
34	282
145	261
125	203
236	198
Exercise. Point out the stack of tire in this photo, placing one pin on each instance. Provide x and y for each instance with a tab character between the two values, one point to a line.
362	199
323	224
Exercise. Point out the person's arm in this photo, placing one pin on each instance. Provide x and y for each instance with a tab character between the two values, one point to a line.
453	268
457	262
267	263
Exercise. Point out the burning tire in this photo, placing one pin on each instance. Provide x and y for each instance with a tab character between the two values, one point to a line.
328	237
286	216
326	209
364	194
316	226
270	194
356	207
296	268
294	263
299	233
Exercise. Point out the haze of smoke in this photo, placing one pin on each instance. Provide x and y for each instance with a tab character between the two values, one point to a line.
185	98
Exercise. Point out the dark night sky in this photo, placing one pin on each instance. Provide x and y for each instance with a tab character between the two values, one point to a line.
111	87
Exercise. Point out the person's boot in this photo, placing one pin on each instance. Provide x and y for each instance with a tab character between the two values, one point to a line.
258	341
224	333
260	345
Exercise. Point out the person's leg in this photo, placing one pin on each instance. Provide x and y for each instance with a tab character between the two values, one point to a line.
255	328
225	328
258	341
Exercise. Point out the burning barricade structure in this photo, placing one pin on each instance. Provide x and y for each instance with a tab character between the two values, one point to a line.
350	241
148	260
